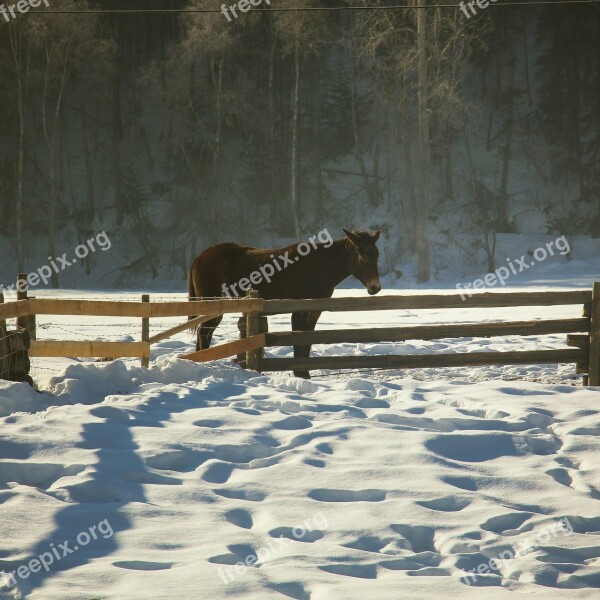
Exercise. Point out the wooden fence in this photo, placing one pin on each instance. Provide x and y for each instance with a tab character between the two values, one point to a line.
583	331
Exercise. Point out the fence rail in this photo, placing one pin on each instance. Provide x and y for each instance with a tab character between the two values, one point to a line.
92	349
427	332
423	361
431	301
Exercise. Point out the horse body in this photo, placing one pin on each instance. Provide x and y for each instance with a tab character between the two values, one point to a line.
314	275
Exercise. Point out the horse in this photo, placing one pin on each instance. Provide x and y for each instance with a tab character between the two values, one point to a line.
285	273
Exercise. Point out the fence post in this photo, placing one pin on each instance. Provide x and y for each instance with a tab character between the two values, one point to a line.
585	367
28	322
146	332
22	295
252	328
2	322
594	360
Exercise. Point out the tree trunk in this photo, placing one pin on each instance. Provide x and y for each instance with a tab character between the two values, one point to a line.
502	223
375	195
319	208
90	201
410	214
117	138
214	184
357	142
50	135
422	208
16	49
272	152
575	118
295	120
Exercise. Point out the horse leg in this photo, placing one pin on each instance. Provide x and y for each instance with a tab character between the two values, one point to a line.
264	328
205	333
304	321
241	358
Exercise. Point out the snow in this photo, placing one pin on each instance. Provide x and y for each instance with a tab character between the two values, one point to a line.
362	484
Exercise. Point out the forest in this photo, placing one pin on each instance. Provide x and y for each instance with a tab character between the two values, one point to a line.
172	131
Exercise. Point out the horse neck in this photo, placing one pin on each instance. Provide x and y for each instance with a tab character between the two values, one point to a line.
336	263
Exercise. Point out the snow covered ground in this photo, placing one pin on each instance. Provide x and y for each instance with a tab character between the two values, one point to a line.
118	482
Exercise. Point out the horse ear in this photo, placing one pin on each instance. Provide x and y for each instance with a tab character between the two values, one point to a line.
375	235
352	236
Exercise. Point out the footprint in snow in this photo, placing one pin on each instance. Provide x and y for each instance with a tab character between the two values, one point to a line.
142	565
360	571
328	495
210	423
447	504
295	534
314	462
248	411
218	472
247	495
560	476
291	590
292	423
421	537
370	543
585	524
182	461
237	553
505	524
372	403
325	448
461	482
239	517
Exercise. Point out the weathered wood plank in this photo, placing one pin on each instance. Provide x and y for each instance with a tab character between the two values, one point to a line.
10	310
111	308
79	349
395	361
427	332
226	350
579	341
433	301
594	355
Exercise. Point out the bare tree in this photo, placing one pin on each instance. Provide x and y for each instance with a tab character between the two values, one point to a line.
55	40
20	58
302	35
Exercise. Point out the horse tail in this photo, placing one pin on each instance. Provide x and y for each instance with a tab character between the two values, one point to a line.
192	296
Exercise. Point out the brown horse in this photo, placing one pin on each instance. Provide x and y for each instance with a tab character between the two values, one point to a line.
297	271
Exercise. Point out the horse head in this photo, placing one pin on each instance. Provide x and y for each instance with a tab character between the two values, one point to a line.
363	256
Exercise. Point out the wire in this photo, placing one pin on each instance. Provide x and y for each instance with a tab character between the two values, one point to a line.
133	11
